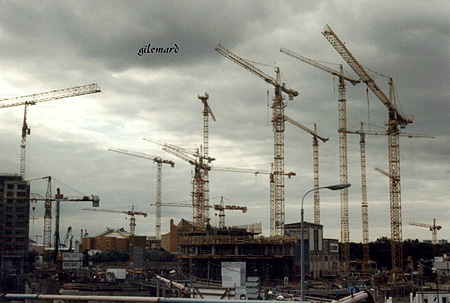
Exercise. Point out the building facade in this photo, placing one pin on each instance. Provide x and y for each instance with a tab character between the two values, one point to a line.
270	259
321	255
14	223
171	240
112	240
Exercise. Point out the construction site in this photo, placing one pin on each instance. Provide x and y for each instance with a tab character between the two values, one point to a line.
200	259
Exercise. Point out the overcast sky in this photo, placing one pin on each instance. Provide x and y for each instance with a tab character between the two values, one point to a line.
59	44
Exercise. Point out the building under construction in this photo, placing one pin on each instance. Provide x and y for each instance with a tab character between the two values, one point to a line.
269	258
272	259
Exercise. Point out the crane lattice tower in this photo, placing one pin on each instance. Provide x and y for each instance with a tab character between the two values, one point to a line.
364	204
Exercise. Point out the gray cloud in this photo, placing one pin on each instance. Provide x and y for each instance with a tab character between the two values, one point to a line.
54	45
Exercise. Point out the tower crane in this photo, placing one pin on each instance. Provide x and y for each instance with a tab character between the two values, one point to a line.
206	113
159	162
48	212
364	205
198	194
221	208
343	169
132	213
396	119
433	228
277	204
315	163
42	97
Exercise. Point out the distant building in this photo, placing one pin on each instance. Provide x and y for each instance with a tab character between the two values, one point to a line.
152	243
14	223
430	297
442	242
442	264
170	241
112	239
321	255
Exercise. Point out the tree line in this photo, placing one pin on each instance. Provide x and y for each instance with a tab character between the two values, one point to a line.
413	250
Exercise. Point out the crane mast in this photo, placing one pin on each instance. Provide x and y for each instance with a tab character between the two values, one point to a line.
278	123
159	162
364	204
47	239
343	168
42	97
23	144
315	164
316	178
206	113
47	232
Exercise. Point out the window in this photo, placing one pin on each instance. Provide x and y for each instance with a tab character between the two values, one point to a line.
22	187
334	247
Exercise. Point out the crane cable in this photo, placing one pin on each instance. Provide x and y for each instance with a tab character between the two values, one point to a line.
268	108
368	108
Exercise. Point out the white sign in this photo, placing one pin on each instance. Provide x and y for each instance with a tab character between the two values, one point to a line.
233	274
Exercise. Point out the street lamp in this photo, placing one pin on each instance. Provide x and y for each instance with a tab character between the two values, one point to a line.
435	270
302	243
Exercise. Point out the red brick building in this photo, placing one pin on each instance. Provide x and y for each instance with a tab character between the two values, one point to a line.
171	240
112	239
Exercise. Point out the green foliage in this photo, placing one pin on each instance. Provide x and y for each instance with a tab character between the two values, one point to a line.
380	251
159	256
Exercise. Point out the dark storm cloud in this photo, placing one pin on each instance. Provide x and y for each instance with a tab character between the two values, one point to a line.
112	32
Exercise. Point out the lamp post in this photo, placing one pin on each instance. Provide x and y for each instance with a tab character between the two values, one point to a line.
302	243
435	270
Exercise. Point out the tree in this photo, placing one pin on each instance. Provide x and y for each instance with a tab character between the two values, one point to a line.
159	256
